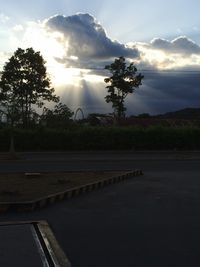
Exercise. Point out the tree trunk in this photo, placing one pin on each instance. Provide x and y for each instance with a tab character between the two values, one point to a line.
12	152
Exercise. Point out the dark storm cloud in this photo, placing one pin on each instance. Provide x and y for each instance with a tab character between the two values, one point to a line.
175	85
87	39
160	92
88	46
166	91
182	45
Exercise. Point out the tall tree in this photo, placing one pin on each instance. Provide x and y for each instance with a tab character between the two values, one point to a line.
123	81
24	82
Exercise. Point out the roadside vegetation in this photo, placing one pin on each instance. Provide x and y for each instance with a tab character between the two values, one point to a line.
25	88
103	138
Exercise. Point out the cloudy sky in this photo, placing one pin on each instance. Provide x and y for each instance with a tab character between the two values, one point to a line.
78	38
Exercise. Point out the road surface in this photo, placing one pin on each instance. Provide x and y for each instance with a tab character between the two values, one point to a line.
151	220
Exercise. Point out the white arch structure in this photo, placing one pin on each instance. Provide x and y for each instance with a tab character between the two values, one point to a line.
79	110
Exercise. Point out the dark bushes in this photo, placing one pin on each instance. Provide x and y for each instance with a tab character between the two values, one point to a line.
103	138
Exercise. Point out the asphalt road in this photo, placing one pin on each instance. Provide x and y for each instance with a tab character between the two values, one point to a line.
151	220
74	161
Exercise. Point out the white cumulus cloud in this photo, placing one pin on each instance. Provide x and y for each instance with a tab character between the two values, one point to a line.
18	28
4	18
180	45
86	39
164	54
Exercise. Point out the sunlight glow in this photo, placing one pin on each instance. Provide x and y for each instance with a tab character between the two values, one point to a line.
48	43
94	78
54	47
61	75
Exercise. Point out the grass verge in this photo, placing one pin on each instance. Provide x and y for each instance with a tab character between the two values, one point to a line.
16	187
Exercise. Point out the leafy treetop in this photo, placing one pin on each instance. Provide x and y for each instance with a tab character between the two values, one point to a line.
123	81
24	82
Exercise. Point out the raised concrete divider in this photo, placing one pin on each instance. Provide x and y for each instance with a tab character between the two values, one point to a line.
67	194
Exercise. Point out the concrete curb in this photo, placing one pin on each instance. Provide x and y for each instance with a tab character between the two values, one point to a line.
67	194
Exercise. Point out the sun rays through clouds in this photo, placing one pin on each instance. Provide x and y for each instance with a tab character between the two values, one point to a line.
77	47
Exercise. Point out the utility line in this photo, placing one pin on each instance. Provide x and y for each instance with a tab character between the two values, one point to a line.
141	70
153	71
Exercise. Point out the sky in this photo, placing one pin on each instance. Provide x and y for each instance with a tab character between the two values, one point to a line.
78	38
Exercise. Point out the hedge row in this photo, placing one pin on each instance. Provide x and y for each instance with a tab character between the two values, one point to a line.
102	138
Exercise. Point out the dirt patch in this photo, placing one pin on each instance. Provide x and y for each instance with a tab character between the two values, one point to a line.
20	187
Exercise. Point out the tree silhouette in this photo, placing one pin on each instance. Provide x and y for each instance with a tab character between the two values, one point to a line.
24	82
58	117
123	81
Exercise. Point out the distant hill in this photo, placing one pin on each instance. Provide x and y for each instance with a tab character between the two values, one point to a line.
184	114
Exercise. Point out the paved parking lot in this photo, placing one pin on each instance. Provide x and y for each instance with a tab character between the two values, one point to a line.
152	220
